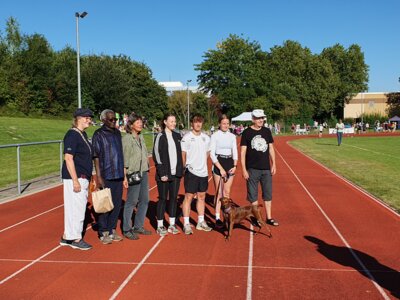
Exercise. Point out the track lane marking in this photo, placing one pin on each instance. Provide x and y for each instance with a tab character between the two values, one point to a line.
355	256
250	266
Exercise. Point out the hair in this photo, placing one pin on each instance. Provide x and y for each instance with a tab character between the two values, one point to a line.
222	117
104	113
165	118
133	117
197	118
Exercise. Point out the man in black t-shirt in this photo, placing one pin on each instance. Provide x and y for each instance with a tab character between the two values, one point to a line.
258	161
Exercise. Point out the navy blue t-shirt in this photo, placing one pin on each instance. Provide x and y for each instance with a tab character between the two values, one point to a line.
76	146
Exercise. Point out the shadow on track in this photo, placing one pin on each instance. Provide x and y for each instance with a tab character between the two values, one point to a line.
384	276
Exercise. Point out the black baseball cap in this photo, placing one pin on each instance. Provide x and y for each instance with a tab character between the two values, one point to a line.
83	112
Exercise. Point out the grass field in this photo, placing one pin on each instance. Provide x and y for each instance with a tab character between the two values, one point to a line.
370	162
36	161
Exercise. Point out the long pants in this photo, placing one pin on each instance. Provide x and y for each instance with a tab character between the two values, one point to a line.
339	137
108	221
138	195
165	188
74	208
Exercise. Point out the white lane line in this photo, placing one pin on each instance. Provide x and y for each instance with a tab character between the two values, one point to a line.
126	281
250	266
372	197
375	152
31	218
47	211
355	256
28	265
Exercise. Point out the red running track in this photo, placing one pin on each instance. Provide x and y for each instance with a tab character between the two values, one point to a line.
334	242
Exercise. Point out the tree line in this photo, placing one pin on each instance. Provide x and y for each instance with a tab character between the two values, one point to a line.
36	80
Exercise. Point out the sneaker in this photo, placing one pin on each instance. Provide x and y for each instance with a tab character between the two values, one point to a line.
162	231
142	231
203	226
81	245
187	229
130	235
219	224
115	236
106	238
64	242
172	229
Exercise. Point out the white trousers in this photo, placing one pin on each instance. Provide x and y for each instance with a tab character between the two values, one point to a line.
74	208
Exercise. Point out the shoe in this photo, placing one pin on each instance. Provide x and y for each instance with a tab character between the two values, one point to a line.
172	229
203	226
130	235
64	242
106	238
142	231
81	245
272	222
162	231
115	236
187	229
219	224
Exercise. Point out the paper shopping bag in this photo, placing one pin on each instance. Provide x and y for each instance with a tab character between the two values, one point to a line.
102	201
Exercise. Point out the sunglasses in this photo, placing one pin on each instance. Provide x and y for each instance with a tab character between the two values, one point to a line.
112	119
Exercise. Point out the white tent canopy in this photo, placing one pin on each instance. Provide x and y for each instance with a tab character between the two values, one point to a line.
244	116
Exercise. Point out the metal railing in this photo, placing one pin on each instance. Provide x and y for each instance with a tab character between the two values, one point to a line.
18	146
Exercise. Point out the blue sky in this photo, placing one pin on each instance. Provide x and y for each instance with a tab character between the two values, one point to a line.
171	36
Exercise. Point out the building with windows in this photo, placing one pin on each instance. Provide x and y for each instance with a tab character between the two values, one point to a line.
366	104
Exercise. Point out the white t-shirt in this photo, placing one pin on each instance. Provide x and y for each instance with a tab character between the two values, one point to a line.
196	148
223	143
171	152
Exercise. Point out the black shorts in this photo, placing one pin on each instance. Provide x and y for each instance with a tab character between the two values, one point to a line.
195	184
226	163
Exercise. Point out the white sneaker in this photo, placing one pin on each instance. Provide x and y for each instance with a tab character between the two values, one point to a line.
187	229
172	229
203	226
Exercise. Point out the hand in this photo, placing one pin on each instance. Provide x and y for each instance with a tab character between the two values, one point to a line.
245	174
164	178
100	181
77	186
125	183
273	170
232	171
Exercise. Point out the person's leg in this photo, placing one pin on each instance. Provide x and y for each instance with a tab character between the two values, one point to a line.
173	195
143	203
266	188
162	187
80	202
218	195
200	204
131	199
116	193
227	186
252	186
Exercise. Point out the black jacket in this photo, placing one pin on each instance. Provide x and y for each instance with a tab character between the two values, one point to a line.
161	155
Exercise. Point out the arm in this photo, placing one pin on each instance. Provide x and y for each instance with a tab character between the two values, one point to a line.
98	172
234	156
272	158
69	161
243	161
184	159
160	167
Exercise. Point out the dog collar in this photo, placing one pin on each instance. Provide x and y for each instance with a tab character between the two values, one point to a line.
227	210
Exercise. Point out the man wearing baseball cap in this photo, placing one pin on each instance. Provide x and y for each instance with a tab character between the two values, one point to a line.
258	161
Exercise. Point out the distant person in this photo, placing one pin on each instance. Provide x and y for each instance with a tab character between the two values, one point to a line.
109	163
76	173
224	155
339	131
258	162
195	150
320	130
135	160
167	156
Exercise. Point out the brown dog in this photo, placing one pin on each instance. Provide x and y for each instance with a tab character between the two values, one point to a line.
235	215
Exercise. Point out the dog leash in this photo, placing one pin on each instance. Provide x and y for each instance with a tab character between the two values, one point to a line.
220	189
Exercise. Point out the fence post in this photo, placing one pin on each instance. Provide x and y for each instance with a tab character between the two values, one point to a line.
18	170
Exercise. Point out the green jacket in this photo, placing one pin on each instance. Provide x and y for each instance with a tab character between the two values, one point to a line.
134	151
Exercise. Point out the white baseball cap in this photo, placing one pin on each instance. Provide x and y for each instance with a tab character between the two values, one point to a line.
258	113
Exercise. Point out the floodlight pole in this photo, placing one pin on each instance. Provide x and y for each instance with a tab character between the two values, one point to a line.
188	103
78	66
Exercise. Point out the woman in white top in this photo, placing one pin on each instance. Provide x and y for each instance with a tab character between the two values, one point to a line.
224	155
339	131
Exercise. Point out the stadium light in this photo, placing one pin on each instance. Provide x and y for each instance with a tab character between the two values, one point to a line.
77	16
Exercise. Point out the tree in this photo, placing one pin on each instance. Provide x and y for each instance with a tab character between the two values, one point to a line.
393	102
233	72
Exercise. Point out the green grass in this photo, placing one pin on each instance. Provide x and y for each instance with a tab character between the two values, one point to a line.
370	162
36	161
